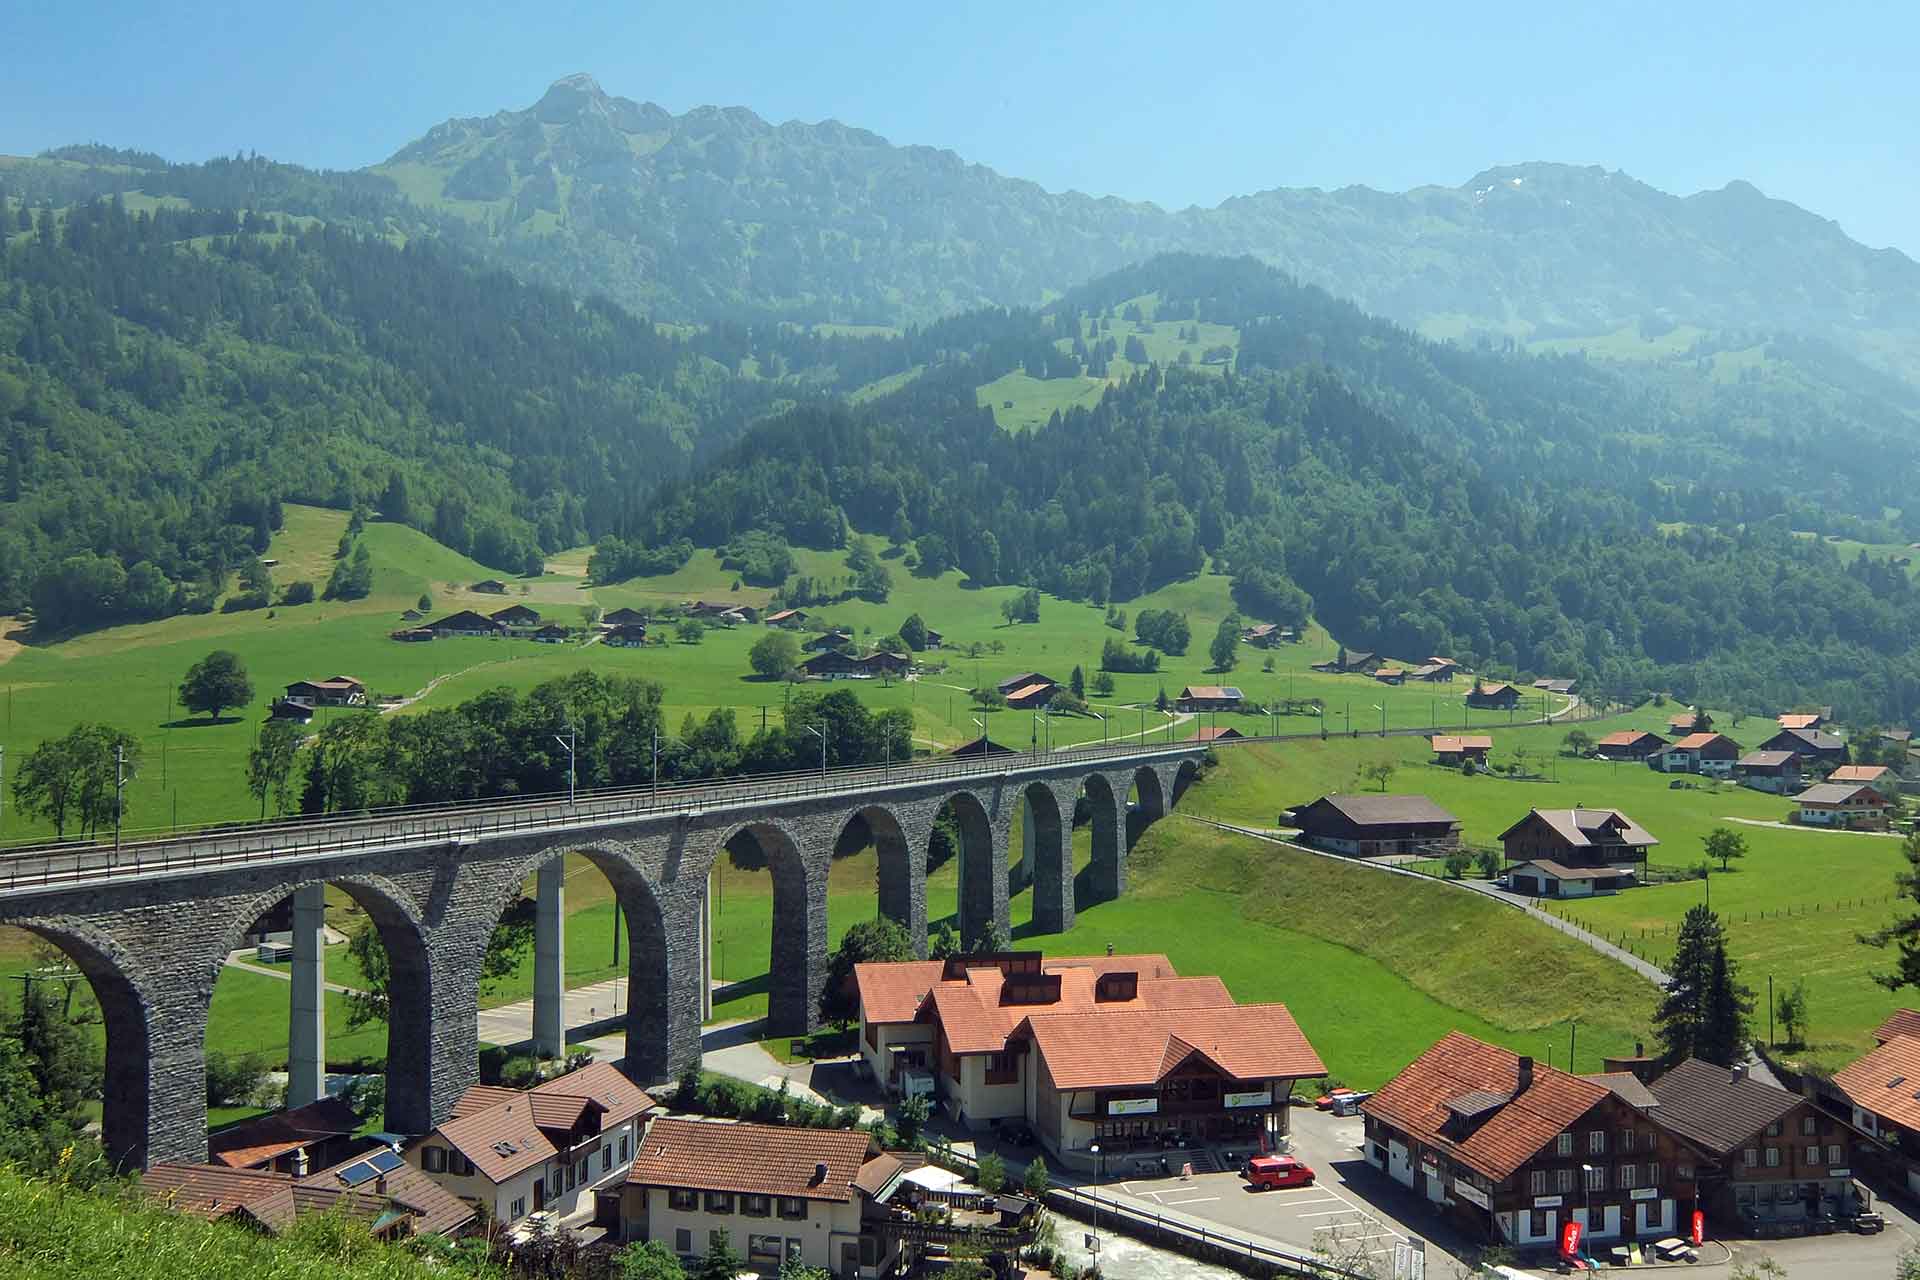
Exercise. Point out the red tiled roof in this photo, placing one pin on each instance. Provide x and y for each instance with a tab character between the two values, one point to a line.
974	1019
500	1130
501	1140
479	1097
1446	744
1901	1022
1884	1082
750	1159
1215	691
1117	1048
602	1083
1626	738
1214	733
892	991
1415	1101
1695	741
212	1191
1859	773
1805	721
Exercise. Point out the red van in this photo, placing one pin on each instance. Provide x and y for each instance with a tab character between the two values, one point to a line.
1267	1172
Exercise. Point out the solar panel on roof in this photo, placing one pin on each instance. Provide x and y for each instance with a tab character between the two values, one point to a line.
355	1174
385	1161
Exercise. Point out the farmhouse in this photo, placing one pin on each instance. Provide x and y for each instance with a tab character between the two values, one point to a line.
465	623
1364	826
298	712
1777	772
1848	806
491	586
1765	1155
786	618
934	639
1453	749
831	664
1217	734
1629	744
1696	721
516	615
412	634
1435	671
720	611
1709	753
835	639
1513	1150
1573	853
295	1142
552	633
1877	776
1210	697
1556	685
1118	1050
775	1194
623	617
552	1148
1493	697
1032	695
334	691
1021	681
630	636
1804	719
1349	660
888	664
1391	675
1264	635
1817	750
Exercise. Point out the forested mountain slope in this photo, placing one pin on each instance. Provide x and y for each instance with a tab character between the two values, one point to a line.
167	378
1510	509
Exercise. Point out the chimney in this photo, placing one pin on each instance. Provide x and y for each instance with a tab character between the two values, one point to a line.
1526	1077
819	1173
1739	1072
1639	1049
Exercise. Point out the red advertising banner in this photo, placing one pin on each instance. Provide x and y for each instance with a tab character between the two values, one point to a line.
1699	1228
1570	1239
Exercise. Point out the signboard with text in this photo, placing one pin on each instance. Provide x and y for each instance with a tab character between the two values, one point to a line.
1644	1193
1472	1194
1132	1106
1262	1098
1570	1239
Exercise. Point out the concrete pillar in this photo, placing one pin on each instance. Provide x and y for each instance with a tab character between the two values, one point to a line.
1108	874
799	961
1050	852
1020	879
550	960
706	951
307	1024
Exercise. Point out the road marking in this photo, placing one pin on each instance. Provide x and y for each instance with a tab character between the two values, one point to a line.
1172	1204
1328	1213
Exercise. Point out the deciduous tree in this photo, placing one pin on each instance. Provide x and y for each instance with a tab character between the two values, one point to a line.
216	682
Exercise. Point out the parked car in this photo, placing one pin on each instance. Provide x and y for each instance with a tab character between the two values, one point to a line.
1348	1104
1326	1100
1264	1173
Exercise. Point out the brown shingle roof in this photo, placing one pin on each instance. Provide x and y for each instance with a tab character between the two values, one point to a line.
1561	871
212	1191
1701	741
479	1097
1446	743
1366	810
501	1140
1627	738
1626	1086
1415	1101
1579	827
1116	1048
601	1082
877	1172
1708	1107
1885	1082
1805	721
1765	759
751	1159
1838	793
266	1138
435	1211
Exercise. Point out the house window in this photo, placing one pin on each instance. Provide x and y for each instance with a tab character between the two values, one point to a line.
792	1207
1626	1141
606	1159
683	1242
518	1209
433	1159
1813	1155
1565	1145
1597	1143
1001	1068
1773	1130
1773	1157
1807	1124
1833	1154
1653	1175
719	1202
459	1165
1750	1157
684	1201
1683	1172
1538	1182
1537	1224
764	1249
1597	1178
756	1206
794	1249
1565	1181
1629	1177
623	1148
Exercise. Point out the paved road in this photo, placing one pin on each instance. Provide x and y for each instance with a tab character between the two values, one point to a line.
1797	826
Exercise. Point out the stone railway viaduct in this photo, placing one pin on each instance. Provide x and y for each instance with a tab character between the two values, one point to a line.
151	924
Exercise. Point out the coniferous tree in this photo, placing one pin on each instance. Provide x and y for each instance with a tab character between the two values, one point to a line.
1704	1012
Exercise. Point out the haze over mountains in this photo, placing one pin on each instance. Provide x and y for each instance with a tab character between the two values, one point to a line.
717	210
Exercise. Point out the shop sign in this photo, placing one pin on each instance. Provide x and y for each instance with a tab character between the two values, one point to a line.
1547	1202
1472	1193
1644	1193
1133	1106
1263	1098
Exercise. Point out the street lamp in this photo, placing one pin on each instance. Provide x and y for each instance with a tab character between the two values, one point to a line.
822	735
1099	1176
568	742
1586	1185
1381	707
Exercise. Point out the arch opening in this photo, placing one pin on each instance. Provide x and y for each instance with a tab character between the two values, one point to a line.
768	948
1098	811
963	831
1046	858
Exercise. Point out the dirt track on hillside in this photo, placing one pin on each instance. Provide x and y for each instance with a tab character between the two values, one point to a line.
8	647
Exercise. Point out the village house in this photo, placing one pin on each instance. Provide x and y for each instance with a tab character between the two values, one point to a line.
1881	1091
982	746
1493	697
722	612
1713	754
832	664
934	639
1349	661
1264	635
1021	681
1806	719
1209	697
491	586
1391	675
1629	744
1844	806
297	712
786	618
1877	776
882	663
1115	1050
835	639
411	634
1816	749
1574	853
1555	685
1766	1155
376	1188
334	691
1512	1150
1455	749
774	1194
623	617
1366	826
550	1149
465	623
1692	721
1216	733
552	633
1777	772
1435	671
516	616
1028	696
629	636
294	1142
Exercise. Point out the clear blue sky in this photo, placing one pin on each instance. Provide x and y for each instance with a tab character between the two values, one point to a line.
1181	103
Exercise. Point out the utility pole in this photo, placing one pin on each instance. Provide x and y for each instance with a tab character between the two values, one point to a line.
820	734
119	792
656	762
568	743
